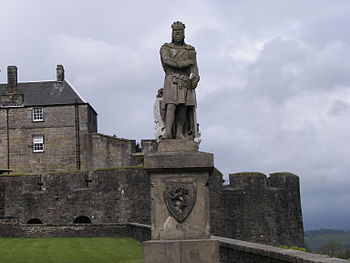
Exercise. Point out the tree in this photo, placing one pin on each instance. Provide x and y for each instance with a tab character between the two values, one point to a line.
331	248
345	254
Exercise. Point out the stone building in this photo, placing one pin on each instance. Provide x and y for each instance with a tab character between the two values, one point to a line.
46	126
64	172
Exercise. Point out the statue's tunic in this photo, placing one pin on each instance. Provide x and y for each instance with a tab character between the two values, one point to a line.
178	88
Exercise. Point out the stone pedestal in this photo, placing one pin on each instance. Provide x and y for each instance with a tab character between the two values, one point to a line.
180	204
181	251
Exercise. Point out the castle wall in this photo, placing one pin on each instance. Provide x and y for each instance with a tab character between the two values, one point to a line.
112	196
104	151
253	207
259	209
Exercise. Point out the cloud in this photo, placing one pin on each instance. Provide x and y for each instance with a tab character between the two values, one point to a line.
274	91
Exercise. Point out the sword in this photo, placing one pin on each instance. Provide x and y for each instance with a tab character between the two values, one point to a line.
194	109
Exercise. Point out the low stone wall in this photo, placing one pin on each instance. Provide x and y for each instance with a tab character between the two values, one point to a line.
139	232
72	230
237	251
10	227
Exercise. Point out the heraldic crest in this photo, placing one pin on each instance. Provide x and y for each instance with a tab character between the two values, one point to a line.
180	198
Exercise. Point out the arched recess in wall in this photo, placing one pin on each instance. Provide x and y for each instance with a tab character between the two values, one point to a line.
34	221
82	220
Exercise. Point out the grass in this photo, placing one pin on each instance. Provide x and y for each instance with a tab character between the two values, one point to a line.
70	250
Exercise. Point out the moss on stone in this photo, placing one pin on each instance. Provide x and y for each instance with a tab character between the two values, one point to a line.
67	172
17	175
119	168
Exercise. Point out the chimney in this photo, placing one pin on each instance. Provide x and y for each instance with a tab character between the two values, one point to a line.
60	73
11	79
12	97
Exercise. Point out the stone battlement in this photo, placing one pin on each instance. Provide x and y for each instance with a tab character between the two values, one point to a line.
256	180
253	207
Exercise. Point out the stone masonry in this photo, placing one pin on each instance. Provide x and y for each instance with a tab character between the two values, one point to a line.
252	210
82	173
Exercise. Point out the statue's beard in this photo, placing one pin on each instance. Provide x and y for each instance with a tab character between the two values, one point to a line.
178	38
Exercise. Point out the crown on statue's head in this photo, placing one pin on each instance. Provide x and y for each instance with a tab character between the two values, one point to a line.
178	25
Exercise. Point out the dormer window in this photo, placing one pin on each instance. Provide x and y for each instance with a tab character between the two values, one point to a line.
38	114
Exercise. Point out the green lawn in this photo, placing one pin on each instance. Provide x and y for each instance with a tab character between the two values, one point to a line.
70	250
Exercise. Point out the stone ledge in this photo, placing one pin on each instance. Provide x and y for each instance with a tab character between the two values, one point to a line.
177	146
260	251
181	160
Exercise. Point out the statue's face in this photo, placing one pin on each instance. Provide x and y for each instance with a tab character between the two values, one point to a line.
178	35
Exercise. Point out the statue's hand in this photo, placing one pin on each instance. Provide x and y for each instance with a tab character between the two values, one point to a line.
194	84
194	81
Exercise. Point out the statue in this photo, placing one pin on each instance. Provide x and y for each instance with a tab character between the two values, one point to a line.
181	78
159	115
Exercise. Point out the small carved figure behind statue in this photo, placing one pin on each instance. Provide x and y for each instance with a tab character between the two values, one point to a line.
181	78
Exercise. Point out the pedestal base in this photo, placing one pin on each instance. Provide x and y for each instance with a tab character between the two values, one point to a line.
181	251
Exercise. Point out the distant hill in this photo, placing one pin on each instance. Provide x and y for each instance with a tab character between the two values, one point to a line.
315	238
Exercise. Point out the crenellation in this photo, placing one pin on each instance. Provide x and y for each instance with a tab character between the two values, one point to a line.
258	208
284	180
248	180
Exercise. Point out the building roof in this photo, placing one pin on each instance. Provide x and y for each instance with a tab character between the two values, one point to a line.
45	93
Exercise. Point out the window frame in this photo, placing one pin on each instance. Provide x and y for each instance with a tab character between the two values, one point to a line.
38	116
38	143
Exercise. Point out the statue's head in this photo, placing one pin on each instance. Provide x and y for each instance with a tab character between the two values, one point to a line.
178	33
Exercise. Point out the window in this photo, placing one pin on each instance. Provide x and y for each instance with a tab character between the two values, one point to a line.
38	114
38	143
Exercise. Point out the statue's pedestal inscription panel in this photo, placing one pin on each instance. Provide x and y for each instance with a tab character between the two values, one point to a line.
180	205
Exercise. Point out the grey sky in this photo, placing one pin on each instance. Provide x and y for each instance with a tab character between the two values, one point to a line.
275	79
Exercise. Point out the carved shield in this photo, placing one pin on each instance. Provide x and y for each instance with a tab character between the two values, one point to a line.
180	198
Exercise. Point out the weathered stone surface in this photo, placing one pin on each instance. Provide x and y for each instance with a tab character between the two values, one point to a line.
111	196
181	78
164	225
62	135
177	146
181	160
106	151
181	251
257	208
58	129
238	211
238	251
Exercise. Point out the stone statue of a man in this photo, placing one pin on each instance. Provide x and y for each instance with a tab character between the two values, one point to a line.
181	78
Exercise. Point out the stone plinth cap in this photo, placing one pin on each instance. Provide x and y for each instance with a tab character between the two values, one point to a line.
166	146
201	161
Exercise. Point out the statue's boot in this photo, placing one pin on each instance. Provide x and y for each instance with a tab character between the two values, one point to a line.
167	135
179	133
180	136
